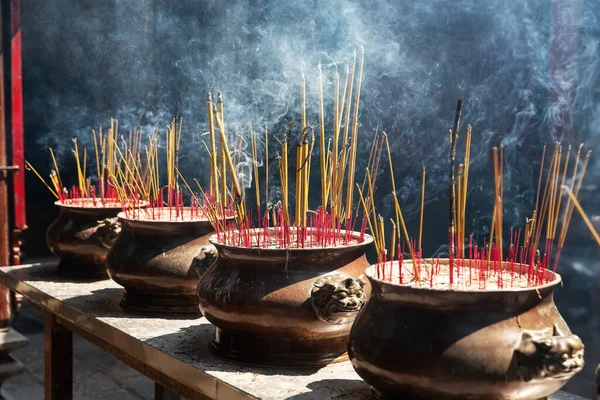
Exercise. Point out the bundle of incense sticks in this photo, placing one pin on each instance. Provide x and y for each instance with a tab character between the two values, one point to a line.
334	220
128	177
144	197
109	160
493	264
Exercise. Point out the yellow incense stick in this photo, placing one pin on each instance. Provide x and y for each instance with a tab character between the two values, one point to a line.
267	171
422	207
347	127
336	122
368	216
255	164
568	205
587	221
56	168
562	183
354	145
32	169
393	244
389	156
578	186
322	141
407	238
213	150
236	186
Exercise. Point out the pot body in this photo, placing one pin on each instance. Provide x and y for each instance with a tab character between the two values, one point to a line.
81	237
284	307
159	263
411	342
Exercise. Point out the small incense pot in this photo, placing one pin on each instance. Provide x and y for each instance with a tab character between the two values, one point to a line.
81	236
422	343
284	306
159	260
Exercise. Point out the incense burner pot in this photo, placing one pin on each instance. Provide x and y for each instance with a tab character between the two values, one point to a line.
418	342
81	236
284	306
159	262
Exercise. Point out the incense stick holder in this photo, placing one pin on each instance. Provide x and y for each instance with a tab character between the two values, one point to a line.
159	261
81	236
284	306
420	342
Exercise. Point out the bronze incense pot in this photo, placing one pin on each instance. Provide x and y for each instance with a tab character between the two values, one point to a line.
427	343
159	262
284	306
81	236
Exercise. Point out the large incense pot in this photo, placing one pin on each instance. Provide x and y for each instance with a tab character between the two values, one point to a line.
284	306
159	261
418	342
81	236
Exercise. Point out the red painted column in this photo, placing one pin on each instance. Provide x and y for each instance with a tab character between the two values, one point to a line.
16	130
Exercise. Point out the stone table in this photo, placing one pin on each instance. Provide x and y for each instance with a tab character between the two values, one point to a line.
172	351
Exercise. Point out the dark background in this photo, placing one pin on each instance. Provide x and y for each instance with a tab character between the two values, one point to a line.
528	74
527	71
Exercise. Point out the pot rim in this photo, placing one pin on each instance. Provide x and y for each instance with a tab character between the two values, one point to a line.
371	274
123	217
61	204
368	239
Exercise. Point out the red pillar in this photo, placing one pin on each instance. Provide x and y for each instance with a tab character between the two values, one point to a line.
16	131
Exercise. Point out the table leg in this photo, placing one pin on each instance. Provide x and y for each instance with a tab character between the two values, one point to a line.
58	360
162	393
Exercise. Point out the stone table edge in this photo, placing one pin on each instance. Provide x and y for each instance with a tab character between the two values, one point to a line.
187	375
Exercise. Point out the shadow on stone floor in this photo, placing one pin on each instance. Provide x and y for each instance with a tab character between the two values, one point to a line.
48	275
322	390
105	303
192	344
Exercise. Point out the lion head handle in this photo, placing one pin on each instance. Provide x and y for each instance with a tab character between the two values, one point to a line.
105	232
206	256
548	355
337	298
